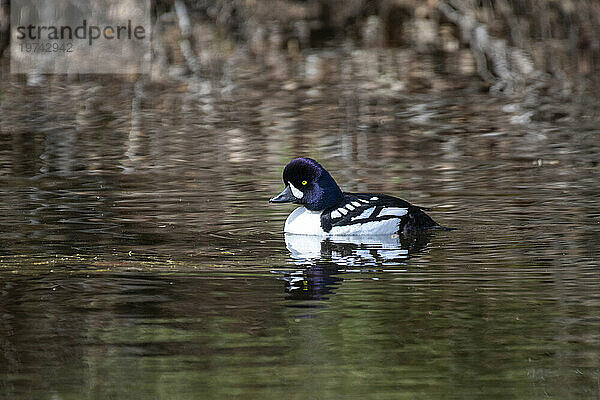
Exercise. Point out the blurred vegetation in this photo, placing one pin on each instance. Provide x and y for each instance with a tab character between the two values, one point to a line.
544	54
551	45
517	45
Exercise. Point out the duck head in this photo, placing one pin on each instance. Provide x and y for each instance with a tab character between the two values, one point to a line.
308	183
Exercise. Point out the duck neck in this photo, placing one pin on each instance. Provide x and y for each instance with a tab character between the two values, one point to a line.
330	193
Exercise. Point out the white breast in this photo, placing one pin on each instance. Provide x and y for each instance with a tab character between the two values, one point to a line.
305	222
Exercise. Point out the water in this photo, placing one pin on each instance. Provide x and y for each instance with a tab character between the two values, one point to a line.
140	256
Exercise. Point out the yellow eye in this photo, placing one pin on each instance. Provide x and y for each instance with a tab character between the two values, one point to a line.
304	182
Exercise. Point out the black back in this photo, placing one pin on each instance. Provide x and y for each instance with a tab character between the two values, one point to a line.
414	220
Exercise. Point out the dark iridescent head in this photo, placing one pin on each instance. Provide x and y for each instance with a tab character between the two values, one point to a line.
308	183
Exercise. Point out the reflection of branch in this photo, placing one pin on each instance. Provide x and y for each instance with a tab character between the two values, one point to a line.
185	44
135	132
158	46
4	25
497	63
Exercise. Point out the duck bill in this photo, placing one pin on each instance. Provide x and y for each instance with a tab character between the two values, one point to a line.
284	197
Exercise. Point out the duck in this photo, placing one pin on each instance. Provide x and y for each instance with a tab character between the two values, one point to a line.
325	210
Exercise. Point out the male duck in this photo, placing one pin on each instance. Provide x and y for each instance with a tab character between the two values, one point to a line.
328	211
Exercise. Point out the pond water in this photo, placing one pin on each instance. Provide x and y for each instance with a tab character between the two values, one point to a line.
140	257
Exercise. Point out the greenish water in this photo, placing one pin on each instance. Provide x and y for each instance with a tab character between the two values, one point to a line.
140	257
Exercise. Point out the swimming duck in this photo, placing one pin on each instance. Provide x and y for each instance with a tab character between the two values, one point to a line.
327	211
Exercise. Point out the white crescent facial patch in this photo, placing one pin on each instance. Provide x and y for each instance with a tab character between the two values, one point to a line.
296	192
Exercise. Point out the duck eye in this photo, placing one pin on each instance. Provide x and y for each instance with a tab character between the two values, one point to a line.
304	183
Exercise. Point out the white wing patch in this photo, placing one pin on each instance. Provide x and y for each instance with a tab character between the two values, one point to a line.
374	198
364	214
342	210
335	214
364	201
350	207
356	204
296	192
395	211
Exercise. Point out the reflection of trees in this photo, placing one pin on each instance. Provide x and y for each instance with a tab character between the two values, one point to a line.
156	152
62	334
491	328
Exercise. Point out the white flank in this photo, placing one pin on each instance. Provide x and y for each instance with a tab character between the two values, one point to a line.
305	222
398	212
388	226
296	192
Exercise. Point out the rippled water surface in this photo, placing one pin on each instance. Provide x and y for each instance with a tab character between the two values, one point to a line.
140	257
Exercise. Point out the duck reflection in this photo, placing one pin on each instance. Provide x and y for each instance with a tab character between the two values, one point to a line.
324	260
